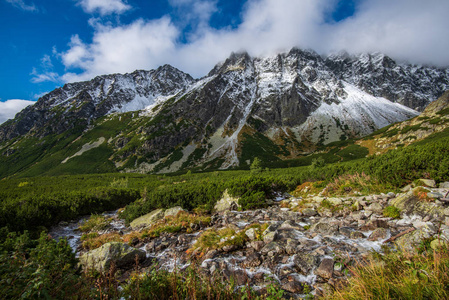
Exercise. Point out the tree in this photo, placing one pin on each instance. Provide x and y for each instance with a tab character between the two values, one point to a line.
256	166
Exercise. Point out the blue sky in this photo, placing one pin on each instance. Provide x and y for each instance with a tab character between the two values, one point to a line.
46	43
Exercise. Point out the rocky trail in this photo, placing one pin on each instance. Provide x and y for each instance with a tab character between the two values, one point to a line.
307	244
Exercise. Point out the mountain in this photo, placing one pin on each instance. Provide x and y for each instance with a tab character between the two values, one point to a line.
431	124
275	108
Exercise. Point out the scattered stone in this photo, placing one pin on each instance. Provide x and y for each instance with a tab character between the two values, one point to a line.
256	245
293	287
391	195
428	182
378	234
406	188
346	231
410	241
304	262
326	268
357	235
252	261
335	201
324	228
173	211
375	207
444	185
270	237
309	212
251	234
434	195
148	219
227	202
437	244
373	224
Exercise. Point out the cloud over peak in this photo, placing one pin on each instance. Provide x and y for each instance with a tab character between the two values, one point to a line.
409	30
10	108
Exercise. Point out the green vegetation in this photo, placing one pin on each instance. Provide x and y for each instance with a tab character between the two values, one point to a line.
392	212
398	275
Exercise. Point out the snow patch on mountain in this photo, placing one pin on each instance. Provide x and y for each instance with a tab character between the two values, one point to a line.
356	115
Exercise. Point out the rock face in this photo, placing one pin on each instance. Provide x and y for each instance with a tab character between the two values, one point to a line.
299	99
173	211
120	254
147	219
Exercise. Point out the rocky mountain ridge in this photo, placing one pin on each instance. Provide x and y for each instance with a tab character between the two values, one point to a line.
275	107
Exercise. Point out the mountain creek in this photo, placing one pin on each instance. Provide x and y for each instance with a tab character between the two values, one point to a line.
307	244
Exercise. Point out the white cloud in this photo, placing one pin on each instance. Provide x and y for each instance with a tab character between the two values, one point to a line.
140	45
9	108
415	30
47	73
22	5
104	7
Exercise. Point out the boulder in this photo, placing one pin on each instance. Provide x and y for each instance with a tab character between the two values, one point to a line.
173	211
122	255
444	185
148	219
227	202
428	182
410	241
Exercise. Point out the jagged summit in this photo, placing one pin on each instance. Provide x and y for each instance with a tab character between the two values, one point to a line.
275	107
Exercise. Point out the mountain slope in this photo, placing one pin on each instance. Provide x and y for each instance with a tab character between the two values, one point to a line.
278	107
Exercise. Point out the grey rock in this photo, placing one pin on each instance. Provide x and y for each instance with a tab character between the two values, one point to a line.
148	219
293	287
122	255
324	228
444	185
326	268
173	211
434	195
309	212
378	234
375	207
270	237
305	262
227	202
428	182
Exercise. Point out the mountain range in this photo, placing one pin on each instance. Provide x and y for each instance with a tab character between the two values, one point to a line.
277	108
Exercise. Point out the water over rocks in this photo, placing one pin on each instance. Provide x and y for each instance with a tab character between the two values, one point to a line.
298	248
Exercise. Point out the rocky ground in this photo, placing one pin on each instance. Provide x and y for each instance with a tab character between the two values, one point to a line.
307	243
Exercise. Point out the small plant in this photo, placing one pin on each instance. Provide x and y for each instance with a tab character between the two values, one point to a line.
392	212
318	163
421	193
93	240
120	183
95	223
